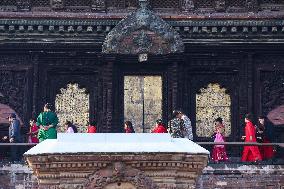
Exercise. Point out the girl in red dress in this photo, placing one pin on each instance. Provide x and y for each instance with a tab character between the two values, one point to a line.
219	151
92	128
33	132
159	127
128	127
250	153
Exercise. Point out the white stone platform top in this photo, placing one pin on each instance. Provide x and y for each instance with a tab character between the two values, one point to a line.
116	143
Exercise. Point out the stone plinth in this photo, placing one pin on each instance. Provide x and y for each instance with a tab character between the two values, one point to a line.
114	161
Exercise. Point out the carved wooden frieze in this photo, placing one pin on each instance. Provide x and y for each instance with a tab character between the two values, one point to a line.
188	5
143	32
23	5
57	4
98	5
272	91
12	88
220	5
119	175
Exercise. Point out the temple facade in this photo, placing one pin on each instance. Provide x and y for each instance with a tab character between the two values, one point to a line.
116	60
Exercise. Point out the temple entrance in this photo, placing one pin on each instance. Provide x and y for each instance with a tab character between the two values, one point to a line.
142	101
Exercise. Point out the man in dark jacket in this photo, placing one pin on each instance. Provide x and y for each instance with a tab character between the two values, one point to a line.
14	136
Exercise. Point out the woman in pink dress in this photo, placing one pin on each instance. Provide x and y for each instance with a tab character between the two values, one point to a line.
33	132
219	151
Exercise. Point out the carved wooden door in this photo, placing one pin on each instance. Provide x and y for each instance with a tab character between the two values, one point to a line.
142	101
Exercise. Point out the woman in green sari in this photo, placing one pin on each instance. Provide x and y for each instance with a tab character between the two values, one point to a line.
47	122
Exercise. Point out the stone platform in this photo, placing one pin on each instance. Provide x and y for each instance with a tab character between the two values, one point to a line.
117	161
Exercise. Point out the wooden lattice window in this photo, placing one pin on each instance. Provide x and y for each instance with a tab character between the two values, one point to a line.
236	3
212	102
204	3
131	3
271	1
72	104
160	4
40	3
111	3
8	2
78	3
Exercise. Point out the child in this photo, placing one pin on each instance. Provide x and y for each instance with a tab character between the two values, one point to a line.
219	151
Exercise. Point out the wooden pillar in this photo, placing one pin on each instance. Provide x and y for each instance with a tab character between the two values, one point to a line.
35	61
107	94
174	83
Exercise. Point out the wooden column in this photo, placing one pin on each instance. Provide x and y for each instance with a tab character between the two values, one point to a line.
106	76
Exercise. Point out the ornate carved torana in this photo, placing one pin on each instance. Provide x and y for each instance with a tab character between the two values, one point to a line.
72	104
212	102
143	32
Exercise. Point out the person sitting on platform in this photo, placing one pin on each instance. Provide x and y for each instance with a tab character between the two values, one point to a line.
219	151
128	127
186	128
47	122
159	127
33	132
70	128
250	153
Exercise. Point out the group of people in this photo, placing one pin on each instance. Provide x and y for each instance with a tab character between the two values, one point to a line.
44	127
179	126
263	133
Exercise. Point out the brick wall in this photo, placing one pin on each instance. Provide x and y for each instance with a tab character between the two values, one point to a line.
17	176
219	176
236	176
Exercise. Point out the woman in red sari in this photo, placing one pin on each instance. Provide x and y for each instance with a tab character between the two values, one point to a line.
250	153
265	129
159	127
33	132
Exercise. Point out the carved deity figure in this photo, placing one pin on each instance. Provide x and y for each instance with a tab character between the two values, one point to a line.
220	5
188	5
98	5
23	5
251	5
57	4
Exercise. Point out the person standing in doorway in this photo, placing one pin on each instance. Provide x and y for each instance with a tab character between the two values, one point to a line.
47	122
159	127
14	136
33	132
176	126
187	127
128	127
219	151
92	128
250	153
266	131
70	128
